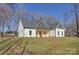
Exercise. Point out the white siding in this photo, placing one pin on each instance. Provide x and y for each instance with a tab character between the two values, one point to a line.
26	32
20	29
60	32
52	33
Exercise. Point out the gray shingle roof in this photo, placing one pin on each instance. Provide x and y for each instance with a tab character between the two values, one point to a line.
41	24
53	26
28	24
56	25
38	24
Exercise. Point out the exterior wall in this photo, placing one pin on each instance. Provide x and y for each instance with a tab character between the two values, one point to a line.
20	29
26	32
35	32
60	32
45	35
52	33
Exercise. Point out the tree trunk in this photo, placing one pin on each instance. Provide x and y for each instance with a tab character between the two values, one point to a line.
76	17
3	29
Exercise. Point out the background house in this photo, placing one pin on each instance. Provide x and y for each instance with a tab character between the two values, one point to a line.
40	28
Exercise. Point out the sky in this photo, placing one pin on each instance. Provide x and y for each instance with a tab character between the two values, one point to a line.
53	9
49	9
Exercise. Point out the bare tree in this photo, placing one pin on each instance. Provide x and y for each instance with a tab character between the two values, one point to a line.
74	26
18	14
66	16
76	18
5	14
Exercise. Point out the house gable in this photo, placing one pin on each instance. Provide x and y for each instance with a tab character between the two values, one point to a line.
60	30
20	29
60	26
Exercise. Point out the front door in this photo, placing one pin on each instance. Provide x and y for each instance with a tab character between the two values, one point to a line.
40	34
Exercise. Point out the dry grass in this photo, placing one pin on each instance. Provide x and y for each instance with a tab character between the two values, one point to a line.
42	46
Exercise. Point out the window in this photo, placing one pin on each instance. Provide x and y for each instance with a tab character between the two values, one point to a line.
58	32
62	32
30	32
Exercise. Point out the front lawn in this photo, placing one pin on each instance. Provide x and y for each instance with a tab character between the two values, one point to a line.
40	46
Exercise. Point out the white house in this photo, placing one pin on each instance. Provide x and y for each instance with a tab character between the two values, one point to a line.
40	28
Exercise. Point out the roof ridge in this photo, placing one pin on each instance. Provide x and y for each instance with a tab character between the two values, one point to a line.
38	24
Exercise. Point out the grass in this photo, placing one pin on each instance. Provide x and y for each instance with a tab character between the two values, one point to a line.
40	46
